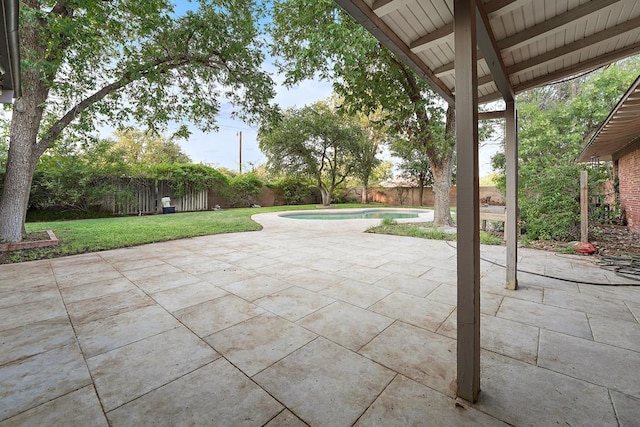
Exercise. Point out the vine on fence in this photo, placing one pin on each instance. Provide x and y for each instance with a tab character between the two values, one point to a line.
185	177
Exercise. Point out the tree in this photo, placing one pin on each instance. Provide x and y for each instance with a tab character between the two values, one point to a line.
319	38
245	189
414	163
382	172
315	142
138	147
86	62
366	156
555	122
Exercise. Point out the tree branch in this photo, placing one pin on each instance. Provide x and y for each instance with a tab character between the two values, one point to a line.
128	77
55	55
60	8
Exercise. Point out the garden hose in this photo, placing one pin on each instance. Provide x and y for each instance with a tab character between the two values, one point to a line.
622	266
625	266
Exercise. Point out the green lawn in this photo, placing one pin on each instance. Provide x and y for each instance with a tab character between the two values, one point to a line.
427	230
90	235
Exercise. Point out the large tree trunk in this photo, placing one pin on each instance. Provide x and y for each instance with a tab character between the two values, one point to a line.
442	168
24	153
365	189
326	196
21	164
24	150
441	187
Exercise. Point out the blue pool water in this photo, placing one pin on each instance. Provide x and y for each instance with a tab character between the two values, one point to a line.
367	214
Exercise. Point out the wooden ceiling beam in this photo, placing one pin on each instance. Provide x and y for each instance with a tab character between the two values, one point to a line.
363	14
497	8
441	35
491	115
489	48
577	45
436	37
553	24
384	7
540	30
590	64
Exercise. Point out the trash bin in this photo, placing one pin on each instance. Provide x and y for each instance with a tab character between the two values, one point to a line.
166	206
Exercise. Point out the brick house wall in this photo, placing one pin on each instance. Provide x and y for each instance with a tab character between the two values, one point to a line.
628	166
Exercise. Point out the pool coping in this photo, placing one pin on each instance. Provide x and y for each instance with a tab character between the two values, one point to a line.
424	215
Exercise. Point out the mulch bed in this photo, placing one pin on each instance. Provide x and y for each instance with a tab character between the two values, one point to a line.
614	240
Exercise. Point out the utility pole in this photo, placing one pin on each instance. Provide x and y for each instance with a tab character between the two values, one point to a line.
240	153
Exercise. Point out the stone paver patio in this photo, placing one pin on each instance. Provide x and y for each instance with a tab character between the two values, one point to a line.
309	322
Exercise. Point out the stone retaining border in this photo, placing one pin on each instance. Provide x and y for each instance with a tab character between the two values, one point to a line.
52	241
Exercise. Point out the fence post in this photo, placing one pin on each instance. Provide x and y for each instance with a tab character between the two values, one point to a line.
584	206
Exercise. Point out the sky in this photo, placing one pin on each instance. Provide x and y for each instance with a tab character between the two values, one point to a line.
221	148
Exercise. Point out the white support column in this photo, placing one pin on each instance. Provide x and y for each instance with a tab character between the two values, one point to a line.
511	229
468	203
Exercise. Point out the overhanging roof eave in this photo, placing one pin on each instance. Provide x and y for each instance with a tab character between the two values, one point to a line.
590	149
361	12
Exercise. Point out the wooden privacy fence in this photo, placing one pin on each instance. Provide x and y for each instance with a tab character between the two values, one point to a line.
410	196
144	196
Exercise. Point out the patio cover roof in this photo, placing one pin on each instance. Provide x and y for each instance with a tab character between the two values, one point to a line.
537	41
619	129
500	47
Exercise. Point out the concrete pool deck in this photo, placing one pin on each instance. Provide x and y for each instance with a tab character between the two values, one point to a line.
310	322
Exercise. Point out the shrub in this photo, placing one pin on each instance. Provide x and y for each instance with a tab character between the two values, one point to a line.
388	221
244	189
71	183
295	191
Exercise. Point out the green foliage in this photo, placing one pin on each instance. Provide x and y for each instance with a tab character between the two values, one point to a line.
79	177
413	229
425	230
388	221
88	63
414	162
318	38
73	182
295	191
244	189
185	177
555	122
568	249
136	147
142	52
382	172
366	153
490	239
313	142
489	180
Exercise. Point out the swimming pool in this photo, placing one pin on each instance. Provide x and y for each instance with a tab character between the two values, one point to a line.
361	214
